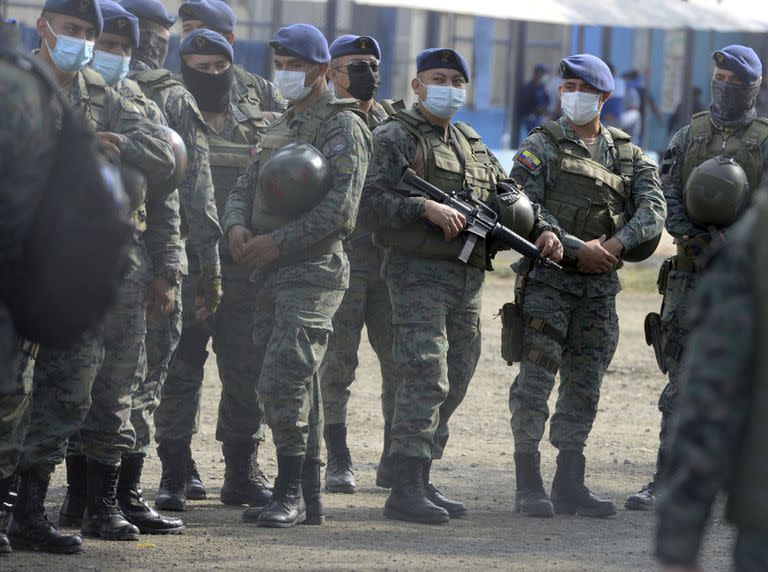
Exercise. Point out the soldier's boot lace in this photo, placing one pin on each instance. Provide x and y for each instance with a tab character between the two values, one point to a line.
455	508
133	505
244	482
195	487
287	507
103	517
408	498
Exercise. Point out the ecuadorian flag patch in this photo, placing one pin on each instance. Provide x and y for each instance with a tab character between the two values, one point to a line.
530	161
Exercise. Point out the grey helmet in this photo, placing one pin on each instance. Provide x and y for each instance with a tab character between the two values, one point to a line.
294	179
716	192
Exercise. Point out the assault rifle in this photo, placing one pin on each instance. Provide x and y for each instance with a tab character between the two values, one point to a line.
482	221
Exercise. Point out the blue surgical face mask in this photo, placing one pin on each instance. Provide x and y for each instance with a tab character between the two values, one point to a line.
444	100
112	68
70	54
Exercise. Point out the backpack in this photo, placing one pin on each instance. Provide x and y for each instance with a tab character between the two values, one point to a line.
74	251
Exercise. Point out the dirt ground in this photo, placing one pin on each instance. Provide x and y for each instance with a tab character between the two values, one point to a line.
478	468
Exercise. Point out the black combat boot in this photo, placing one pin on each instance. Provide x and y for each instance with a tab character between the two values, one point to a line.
530	498
6	506
385	472
455	508
172	492
311	491
244	483
569	495
73	507
339	474
408	498
287	507
29	526
103	518
645	498
195	487
133	505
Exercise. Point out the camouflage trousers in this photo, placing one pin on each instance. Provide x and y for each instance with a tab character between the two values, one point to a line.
15	406
240	409
675	326
291	325
436	307
162	339
107	433
366	303
588	332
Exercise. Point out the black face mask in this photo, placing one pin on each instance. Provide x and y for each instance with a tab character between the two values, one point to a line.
733	102
211	91
152	50
363	81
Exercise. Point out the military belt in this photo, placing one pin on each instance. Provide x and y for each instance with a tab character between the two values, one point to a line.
321	248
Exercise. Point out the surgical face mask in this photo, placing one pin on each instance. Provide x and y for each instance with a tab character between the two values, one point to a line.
580	107
291	86
732	100
70	54
112	68
444	100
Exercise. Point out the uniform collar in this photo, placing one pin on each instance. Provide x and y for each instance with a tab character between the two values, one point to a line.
570	134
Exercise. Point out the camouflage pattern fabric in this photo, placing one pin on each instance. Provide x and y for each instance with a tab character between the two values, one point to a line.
716	388
579	308
15	405
296	302
590	330
252	87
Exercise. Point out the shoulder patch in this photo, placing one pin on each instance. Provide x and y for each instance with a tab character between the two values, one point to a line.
129	106
529	161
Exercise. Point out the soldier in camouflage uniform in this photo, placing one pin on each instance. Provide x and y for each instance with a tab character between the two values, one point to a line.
355	73
301	269
124	131
155	252
255	103
718	440
234	134
599	197
28	140
435	298
202	293
730	128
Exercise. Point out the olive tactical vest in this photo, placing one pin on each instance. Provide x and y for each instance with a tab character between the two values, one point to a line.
587	199
280	134
745	148
156	85
444	169
95	107
747	495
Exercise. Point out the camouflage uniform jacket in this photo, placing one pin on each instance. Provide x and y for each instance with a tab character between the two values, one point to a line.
720	368
536	178
345	142
678	223
163	234
258	90
198	207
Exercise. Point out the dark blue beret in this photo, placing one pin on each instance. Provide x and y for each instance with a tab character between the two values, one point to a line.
302	41
350	45
590	69
152	10
87	10
117	20
215	14
207	43
10	21
741	60
436	58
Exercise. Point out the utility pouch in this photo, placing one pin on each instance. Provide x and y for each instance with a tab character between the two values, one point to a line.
663	278
653	338
511	332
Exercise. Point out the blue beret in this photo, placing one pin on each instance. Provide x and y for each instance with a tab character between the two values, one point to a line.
741	60
207	43
350	45
152	10
302	41
436	58
590	69
10	22
215	14
87	10
117	20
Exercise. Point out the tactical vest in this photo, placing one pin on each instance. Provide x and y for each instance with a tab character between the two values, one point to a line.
94	108
443	168
745	148
244	89
156	85
747	495
587	199
278	136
